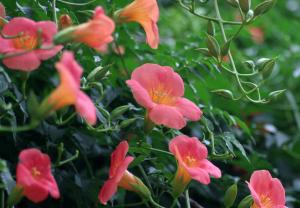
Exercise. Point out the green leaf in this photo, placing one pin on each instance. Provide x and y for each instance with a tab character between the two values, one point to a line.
230	138
246	202
230	196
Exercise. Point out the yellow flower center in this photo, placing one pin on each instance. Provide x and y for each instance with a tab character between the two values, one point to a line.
265	201
26	42
160	95
35	172
190	161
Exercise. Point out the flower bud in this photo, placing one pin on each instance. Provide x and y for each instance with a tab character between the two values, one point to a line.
64	22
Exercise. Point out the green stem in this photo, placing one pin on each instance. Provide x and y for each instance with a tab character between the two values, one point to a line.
54	11
24	84
155	204
224	156
291	99
146	178
129	204
160	151
174	203
76	4
61	123
121	58
187	199
74	157
220	22
192	11
28	127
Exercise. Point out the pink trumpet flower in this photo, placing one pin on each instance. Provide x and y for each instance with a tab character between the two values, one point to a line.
159	89
267	192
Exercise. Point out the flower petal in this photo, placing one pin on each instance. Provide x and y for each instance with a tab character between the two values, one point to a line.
199	175
18	25
277	192
140	94
188	146
188	109
210	168
168	116
27	62
151	76
107	191
117	156
86	108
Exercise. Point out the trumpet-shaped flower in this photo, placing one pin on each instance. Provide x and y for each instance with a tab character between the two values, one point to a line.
33	43
191	156
34	176
119	176
68	92
96	33
146	13
267	192
159	89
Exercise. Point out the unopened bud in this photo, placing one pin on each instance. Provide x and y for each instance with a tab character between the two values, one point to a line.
65	21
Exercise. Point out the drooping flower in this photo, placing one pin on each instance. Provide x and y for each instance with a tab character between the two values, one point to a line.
267	192
68	92
34	176
2	14
119	176
146	13
33	41
191	156
159	89
96	33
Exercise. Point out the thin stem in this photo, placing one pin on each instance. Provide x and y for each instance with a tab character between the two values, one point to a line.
155	204
67	119
24	84
145	177
130	204
74	157
291	99
220	22
121	58
187	199
160	151
76	4
54	11
174	203
28	127
192	11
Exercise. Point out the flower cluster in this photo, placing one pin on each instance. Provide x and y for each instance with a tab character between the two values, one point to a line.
24	44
